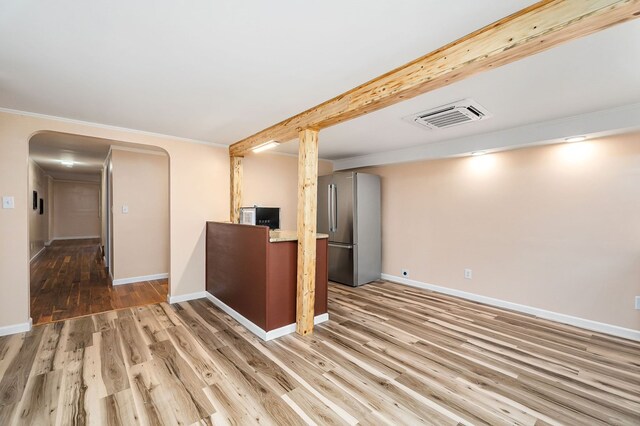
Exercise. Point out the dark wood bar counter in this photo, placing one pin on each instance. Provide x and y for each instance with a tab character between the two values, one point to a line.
251	274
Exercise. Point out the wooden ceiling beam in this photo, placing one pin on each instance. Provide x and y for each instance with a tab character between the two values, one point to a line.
527	32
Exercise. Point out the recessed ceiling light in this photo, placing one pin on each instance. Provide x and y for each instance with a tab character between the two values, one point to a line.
66	163
477	153
575	139
265	146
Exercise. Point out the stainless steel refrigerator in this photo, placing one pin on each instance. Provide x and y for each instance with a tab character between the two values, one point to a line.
349	212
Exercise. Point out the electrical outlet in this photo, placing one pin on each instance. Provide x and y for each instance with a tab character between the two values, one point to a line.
125	209
638	302
468	273
404	273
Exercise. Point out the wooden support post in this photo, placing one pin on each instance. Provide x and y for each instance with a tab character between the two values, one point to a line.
235	188
307	206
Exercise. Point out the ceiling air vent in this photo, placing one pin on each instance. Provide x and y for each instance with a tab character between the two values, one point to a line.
464	111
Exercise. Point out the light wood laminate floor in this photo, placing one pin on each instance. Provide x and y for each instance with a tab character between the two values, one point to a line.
389	355
69	280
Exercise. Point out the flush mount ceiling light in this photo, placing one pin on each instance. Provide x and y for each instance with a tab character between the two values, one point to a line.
265	146
575	139
477	153
66	163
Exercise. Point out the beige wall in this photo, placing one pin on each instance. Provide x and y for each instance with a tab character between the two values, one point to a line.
38	224
76	209
199	191
554	227
551	227
103	201
141	236
271	180
49	208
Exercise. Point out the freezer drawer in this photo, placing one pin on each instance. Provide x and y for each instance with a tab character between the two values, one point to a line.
341	263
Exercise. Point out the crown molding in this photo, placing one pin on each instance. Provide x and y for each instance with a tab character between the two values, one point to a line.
109	127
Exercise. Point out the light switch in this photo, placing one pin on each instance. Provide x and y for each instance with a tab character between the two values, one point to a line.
8	202
125	209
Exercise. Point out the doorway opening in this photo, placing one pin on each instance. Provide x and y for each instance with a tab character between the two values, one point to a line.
99	226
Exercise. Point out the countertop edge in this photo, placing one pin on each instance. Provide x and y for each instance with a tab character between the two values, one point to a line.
284	236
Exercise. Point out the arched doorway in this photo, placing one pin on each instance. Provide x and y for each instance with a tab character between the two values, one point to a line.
99	235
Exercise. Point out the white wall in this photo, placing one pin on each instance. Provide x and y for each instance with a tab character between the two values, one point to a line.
554	227
141	236
271	180
76	211
198	192
198	172
38	223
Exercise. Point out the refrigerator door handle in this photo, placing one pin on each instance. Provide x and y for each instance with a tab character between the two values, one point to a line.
330	207
335	208
333	217
344	246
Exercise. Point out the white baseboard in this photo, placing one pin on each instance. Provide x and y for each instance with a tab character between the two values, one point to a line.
186	297
263	334
131	280
16	328
614	330
37	254
48	243
291	328
82	237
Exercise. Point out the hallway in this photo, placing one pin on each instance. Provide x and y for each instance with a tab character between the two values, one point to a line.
69	280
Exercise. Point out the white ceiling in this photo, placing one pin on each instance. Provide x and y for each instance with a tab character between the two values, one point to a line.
88	154
48	149
597	72
219	71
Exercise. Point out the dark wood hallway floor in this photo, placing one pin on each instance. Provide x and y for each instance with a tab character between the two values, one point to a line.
69	280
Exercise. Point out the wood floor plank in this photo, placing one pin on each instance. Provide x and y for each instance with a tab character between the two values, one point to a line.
389	354
14	379
119	409
370	392
314	409
7	414
244	381
150	398
72	409
188	400
153	329
41	401
205	334
312	378
114	373
80	334
193	353
104	321
230	402
9	348
133	343
44	362
247	358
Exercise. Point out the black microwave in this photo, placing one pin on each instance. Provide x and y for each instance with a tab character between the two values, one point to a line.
263	216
